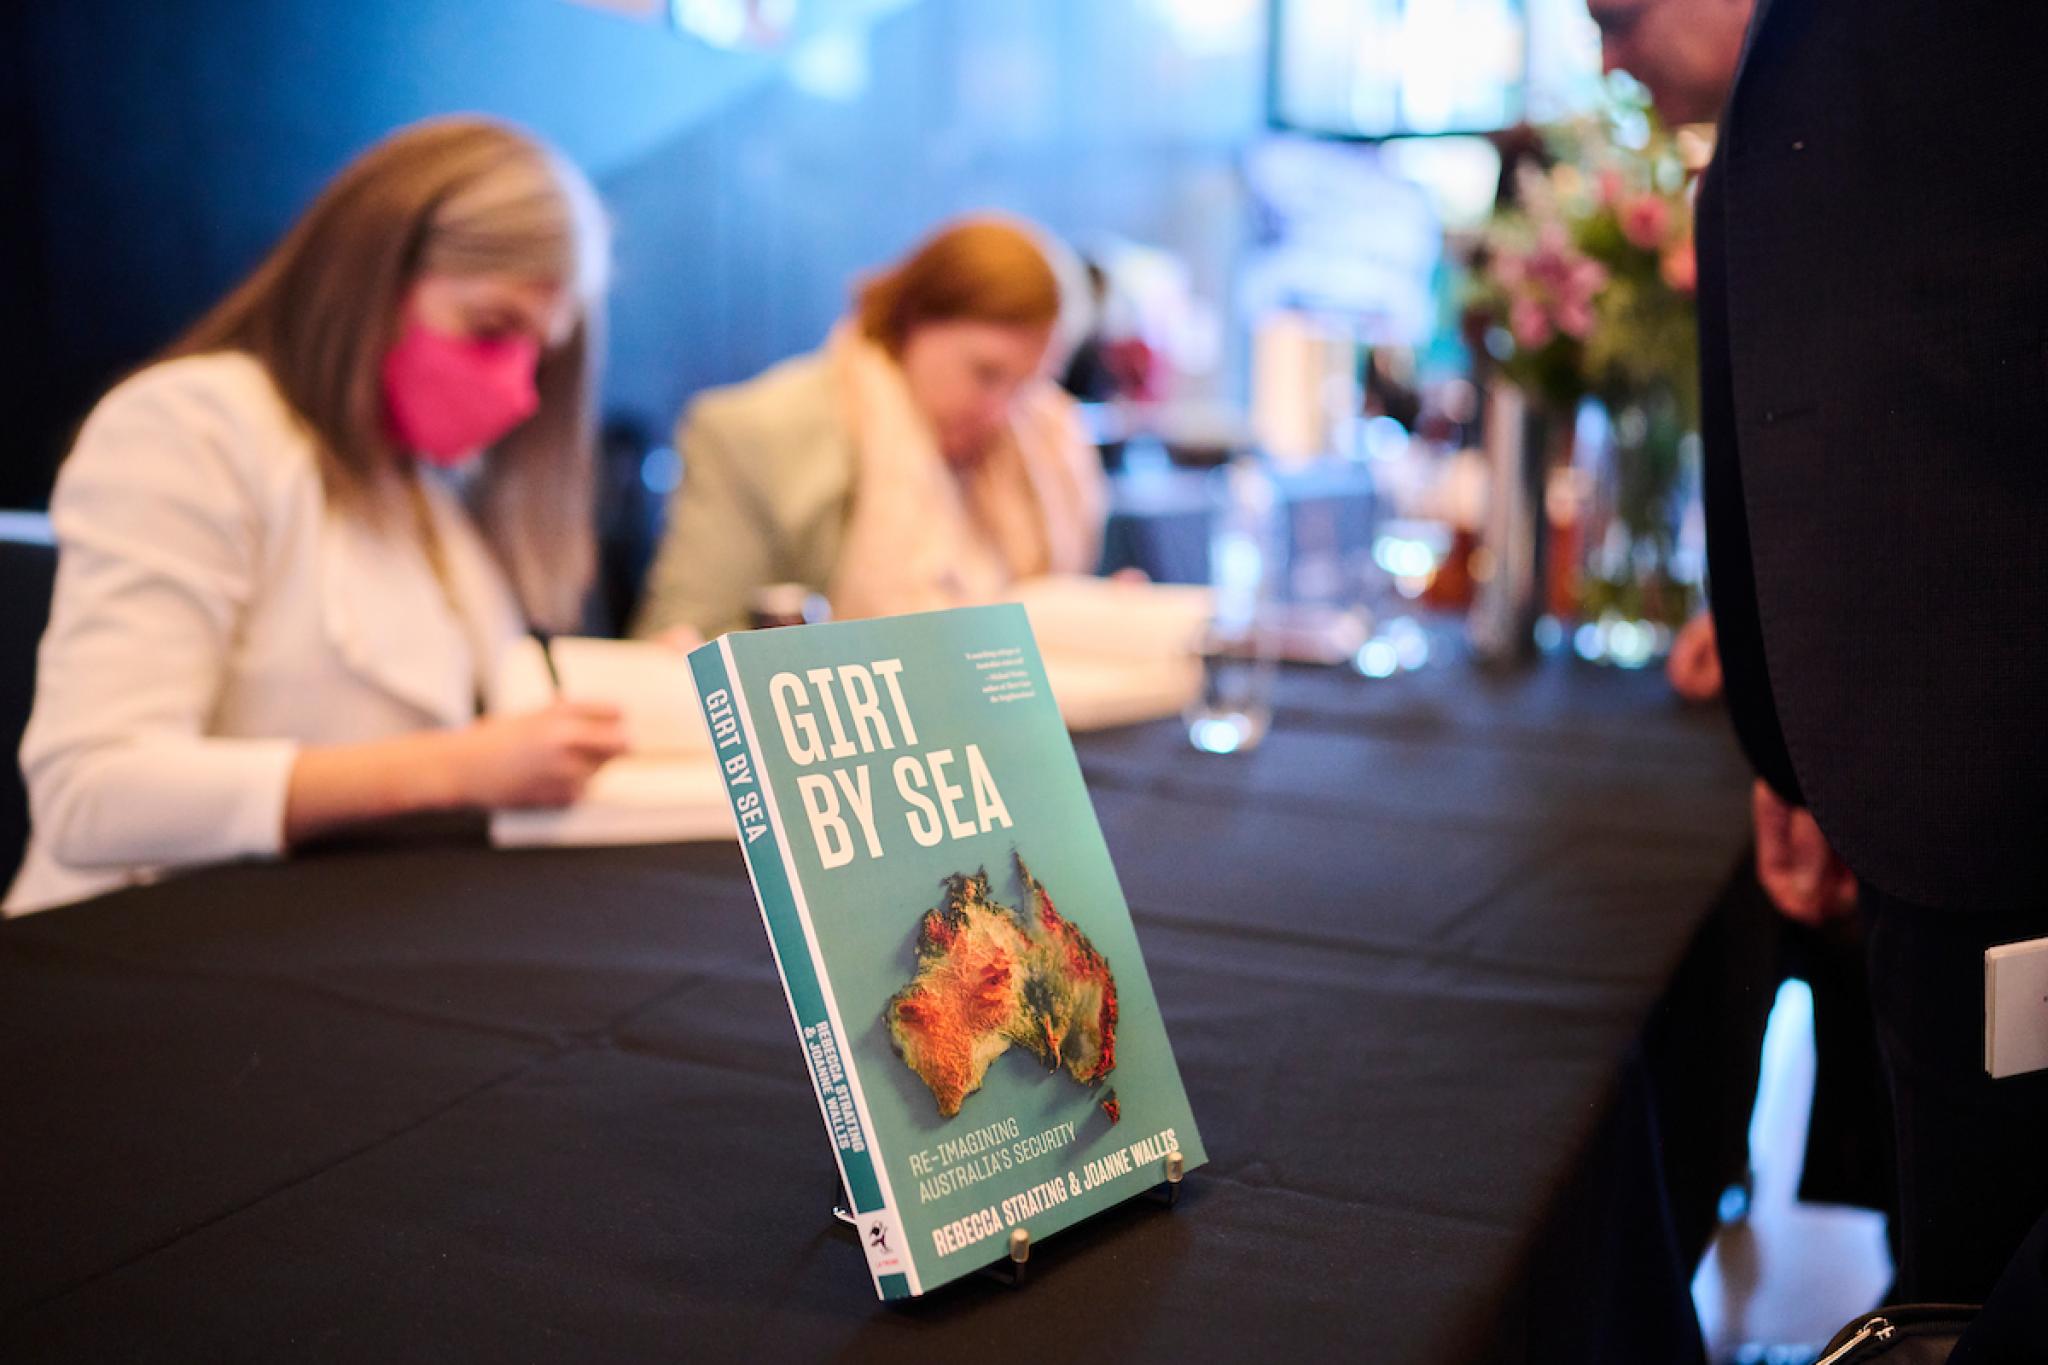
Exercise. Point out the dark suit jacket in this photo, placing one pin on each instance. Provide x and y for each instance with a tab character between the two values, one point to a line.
1874	323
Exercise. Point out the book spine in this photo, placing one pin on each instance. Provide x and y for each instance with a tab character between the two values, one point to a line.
804	982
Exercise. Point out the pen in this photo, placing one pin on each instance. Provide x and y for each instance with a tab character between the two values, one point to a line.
547	657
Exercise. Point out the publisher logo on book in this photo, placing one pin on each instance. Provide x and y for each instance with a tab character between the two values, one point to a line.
880	1239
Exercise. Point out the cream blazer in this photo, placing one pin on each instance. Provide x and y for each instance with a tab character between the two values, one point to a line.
211	616
770	469
768	475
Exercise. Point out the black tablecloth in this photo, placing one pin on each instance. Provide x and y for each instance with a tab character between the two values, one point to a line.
422	1100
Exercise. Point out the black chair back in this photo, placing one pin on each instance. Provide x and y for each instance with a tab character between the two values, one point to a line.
28	574
635	474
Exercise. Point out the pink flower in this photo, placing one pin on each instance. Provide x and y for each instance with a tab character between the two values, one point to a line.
1610	186
1680	267
1527	321
1644	221
1575	318
1510	269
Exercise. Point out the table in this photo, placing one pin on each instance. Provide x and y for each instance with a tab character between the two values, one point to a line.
412	1099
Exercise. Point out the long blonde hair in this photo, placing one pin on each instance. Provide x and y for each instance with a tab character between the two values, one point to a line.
460	196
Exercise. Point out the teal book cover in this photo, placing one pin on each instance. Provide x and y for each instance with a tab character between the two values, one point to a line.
955	946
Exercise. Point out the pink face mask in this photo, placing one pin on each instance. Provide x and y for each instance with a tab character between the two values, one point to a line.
450	396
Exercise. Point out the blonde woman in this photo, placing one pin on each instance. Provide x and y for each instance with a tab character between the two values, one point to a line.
290	549
921	459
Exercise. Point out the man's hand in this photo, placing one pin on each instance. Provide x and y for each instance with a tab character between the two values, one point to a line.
1694	667
1799	871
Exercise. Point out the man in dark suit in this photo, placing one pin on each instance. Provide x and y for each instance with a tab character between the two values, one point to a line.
1874	329
1783	918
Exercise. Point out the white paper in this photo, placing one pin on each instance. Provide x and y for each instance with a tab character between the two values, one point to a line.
666	789
2016	1008
651	683
629	801
1117	653
1102	618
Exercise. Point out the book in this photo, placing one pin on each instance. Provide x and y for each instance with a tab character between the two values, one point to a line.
666	788
954	945
1117	653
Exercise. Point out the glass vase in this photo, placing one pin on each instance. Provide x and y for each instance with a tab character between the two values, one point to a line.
1640	565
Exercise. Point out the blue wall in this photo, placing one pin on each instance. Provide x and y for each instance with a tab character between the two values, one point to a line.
162	147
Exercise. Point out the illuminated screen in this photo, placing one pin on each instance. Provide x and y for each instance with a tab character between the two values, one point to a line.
1393	68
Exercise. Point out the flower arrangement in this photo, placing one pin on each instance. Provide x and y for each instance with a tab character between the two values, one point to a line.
1585	288
1587	282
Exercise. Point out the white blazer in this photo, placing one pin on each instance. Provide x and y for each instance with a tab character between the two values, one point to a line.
211	616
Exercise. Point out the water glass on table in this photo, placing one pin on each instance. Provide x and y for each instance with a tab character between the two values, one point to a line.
1406	554
1240	648
1240	665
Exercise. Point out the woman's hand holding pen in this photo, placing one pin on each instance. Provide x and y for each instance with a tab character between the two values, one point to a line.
541	758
